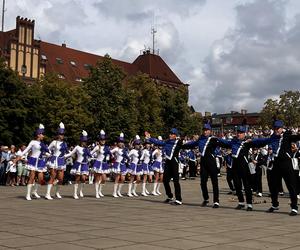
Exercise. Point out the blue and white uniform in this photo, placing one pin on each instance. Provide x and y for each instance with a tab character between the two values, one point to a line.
119	166
36	161
145	159
101	163
135	168
57	159
158	161
81	165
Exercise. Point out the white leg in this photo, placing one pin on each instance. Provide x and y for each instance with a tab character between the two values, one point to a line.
129	190
97	190
115	190
28	195
57	194
35	190
154	189
144	189
100	190
81	190
75	191
48	194
119	190
134	189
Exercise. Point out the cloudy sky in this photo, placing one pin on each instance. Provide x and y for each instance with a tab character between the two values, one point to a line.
234	54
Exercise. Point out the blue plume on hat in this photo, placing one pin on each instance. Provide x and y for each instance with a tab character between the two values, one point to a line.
61	129
278	124
121	137
137	140
83	136
40	130
174	131
241	129
207	126
102	135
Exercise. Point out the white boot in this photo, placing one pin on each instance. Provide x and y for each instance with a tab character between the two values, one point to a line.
115	190
81	190
35	193
48	194
157	189
129	190
57	194
134	189
119	190
28	195
100	190
97	190
144	189
154	189
75	191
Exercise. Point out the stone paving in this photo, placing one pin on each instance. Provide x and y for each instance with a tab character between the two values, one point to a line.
142	222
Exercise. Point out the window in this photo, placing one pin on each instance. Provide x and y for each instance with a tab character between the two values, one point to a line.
73	63
44	57
59	60
87	66
61	76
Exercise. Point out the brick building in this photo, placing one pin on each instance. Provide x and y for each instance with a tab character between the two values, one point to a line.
223	122
33	58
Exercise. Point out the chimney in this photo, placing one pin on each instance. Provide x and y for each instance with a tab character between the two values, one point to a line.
64	45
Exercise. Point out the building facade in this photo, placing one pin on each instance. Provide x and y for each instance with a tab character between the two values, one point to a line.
32	59
230	121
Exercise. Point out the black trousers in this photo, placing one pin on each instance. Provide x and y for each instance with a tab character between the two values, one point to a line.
229	178
258	180
283	169
209	169
242	177
171	171
192	168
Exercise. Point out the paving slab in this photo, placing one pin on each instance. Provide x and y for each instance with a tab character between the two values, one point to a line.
142	222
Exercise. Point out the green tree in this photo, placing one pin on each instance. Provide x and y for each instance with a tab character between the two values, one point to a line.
60	101
13	111
147	103
287	108
110	103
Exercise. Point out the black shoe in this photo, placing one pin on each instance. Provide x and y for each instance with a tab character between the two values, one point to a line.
240	206
216	205
204	203
168	200
249	209
272	209
176	203
294	212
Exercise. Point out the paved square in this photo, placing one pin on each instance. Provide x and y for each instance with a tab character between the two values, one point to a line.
142	222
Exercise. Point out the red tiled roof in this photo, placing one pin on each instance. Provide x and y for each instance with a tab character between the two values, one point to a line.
52	52
153	65
156	68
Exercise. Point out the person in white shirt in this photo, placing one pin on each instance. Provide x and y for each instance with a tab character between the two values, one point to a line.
56	162
146	167
134	168
158	169
119	166
36	162
80	167
101	167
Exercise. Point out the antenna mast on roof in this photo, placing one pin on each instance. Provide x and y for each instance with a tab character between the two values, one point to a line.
153	31
3	10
